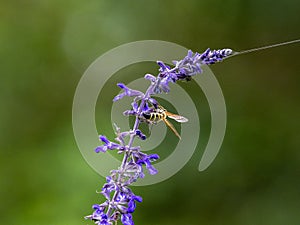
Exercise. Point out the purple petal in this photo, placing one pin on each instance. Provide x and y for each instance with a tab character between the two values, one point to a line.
153	102
131	206
175	62
127	219
163	67
138	198
129	113
150	77
164	85
109	179
118	97
140	134
142	175
123	86
127	92
151	169
146	107
133	93
98	207
112	146
101	148
122	208
135	106
190	53
153	157
103	139
135	148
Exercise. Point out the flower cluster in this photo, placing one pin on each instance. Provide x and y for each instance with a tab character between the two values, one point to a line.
120	200
188	67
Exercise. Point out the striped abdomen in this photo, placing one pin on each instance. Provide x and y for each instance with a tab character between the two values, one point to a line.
154	116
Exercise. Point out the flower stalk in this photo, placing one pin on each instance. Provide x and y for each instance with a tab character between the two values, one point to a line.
120	200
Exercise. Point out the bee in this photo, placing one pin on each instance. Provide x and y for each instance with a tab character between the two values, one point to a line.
161	114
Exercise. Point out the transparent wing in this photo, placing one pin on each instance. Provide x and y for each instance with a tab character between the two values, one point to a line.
178	118
172	128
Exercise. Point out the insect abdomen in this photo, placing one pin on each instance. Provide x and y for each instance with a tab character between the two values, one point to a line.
154	117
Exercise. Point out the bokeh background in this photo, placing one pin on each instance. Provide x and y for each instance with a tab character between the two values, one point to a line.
45	47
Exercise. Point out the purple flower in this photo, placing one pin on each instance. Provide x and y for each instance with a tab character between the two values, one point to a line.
133	111
145	159
99	216
107	145
103	222
163	67
153	102
127	92
150	77
189	66
132	204
99	208
140	134
109	187
127	219
133	172
125	200
211	57
120	200
135	108
166	76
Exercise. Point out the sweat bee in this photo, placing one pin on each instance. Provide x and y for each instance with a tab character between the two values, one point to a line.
161	114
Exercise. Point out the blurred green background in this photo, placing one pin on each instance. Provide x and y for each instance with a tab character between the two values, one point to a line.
45	47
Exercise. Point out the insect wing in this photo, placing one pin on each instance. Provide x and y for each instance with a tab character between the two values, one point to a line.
170	125
178	118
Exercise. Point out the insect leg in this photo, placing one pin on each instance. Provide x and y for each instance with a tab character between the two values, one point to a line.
170	125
